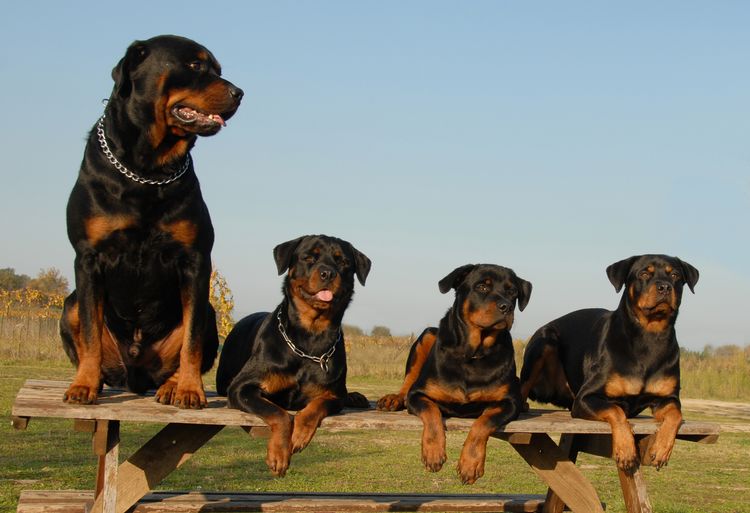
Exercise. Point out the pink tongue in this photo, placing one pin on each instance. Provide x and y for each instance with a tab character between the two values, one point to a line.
324	295
218	119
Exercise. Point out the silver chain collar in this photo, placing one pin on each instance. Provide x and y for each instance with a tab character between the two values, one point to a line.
127	172
321	360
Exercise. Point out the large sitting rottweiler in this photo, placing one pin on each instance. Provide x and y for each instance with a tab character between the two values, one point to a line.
611	365
139	315
466	367
294	358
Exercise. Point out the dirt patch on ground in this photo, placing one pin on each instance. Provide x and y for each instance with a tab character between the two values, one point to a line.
735	417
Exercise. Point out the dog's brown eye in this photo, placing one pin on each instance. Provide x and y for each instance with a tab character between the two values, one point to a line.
483	287
196	66
645	275
675	275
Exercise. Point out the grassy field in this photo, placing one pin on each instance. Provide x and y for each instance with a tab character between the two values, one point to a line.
50	455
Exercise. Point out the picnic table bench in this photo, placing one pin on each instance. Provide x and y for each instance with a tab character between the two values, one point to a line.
130	484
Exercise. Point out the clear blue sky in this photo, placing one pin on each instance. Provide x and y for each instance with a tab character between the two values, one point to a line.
554	138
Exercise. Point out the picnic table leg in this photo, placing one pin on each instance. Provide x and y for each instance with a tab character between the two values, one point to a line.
147	467
563	477
553	503
106	442
634	491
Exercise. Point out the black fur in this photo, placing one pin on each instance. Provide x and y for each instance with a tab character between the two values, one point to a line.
143	251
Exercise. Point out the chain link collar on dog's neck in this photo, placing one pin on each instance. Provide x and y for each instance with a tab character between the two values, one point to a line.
321	360
125	171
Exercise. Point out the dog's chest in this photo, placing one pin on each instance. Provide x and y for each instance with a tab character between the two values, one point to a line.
627	386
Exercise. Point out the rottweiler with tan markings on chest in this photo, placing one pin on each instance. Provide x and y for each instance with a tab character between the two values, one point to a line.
611	365
139	316
466	366
294	358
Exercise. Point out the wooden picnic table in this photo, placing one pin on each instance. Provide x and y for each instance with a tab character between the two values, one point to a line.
120	486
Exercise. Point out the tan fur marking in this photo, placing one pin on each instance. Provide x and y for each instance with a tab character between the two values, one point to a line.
620	386
662	386
422	351
158	130
99	228
313	391
442	394
491	395
659	319
167	350
183	231
74	319
191	353
479	320
275	382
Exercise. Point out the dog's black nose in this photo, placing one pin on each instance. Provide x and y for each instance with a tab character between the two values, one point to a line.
663	287
503	306
236	93
327	274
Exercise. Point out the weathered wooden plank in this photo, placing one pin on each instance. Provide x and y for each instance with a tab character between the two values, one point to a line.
74	502
39	398
563	477
144	470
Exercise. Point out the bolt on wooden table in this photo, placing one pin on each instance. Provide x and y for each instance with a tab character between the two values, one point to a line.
120	486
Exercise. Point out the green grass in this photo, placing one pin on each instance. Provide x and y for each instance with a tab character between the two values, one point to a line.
50	455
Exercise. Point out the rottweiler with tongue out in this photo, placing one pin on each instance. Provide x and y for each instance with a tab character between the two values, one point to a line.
294	358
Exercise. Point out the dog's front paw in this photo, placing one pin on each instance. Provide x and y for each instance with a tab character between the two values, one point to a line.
356	400
165	393
189	398
391	402
433	456
470	468
471	462
658	455
279	454
81	394
625	456
302	434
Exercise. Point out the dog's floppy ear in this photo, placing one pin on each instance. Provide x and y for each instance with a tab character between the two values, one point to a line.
135	54
618	272
690	273
283	253
454	279
524	292
362	265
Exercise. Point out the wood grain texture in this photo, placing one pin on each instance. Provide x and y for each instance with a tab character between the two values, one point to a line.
44	399
168	502
563	477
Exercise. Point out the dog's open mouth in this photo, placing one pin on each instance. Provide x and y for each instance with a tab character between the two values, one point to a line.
197	120
322	297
